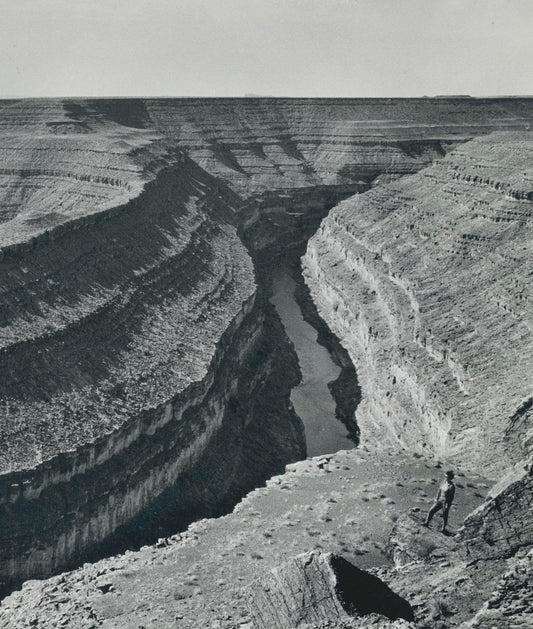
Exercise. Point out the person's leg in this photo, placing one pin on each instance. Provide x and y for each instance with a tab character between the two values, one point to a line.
445	512
432	512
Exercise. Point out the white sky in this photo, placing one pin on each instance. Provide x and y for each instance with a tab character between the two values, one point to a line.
265	47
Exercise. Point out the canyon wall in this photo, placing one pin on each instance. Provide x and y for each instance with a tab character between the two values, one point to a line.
427	282
135	349
143	370
261	144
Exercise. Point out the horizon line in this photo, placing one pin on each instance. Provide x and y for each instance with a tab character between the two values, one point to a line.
259	97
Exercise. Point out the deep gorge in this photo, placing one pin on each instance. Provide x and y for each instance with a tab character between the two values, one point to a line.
182	469
146	375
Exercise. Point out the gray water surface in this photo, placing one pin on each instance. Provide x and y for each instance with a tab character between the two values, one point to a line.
312	399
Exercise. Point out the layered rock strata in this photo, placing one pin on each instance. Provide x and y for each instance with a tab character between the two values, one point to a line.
262	144
256	145
427	283
316	588
135	351
54	170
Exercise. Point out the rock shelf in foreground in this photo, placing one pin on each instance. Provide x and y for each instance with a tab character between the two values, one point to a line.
353	504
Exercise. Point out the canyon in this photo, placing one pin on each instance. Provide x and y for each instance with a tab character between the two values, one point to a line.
150	250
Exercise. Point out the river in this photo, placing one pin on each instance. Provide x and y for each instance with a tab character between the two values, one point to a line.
312	399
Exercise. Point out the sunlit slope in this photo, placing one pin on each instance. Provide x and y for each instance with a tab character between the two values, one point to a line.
110	264
427	281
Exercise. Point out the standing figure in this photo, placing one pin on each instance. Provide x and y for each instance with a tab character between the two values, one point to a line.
443	500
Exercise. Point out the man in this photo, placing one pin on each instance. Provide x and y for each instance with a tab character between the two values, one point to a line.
443	500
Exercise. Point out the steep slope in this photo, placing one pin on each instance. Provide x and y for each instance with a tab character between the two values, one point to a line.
130	324
427	282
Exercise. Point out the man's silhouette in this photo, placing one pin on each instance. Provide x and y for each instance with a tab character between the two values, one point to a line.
443	500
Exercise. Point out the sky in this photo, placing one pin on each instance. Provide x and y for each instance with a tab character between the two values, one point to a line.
329	48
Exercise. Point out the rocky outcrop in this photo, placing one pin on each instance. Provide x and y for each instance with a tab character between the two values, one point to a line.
409	541
317	587
502	525
425	282
452	579
510	602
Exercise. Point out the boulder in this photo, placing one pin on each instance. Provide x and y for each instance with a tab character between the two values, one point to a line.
410	541
316	588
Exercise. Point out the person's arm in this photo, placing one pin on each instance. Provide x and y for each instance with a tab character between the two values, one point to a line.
438	496
452	493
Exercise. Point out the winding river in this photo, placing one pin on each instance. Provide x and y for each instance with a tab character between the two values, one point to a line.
312	399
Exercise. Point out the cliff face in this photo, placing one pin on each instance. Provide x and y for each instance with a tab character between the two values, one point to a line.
130	324
263	144
260	144
426	281
145	377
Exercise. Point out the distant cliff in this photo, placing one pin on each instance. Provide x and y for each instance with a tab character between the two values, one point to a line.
264	144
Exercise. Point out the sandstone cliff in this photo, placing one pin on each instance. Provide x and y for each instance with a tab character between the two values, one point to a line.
129	321
426	281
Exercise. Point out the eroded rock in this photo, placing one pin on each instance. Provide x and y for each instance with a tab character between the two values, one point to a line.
511	600
317	587
424	281
503	524
410	541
